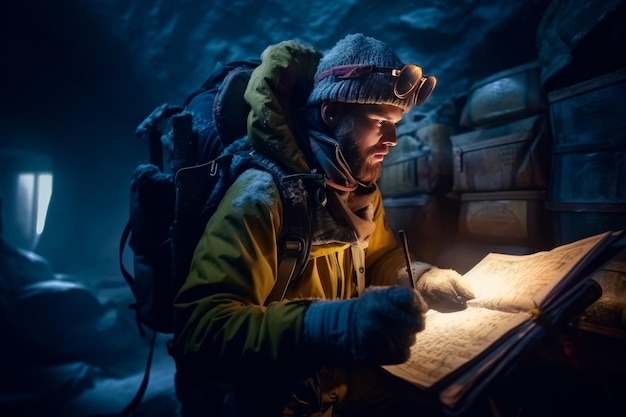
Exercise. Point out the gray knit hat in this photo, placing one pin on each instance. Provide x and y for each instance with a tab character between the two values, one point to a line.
358	49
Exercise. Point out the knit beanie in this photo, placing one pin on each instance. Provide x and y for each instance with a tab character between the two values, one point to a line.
358	49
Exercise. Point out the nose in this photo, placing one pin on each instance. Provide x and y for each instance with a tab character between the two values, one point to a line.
389	136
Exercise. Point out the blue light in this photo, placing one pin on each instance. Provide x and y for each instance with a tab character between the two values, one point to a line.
43	200
34	191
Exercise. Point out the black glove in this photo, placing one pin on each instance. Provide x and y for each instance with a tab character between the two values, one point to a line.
377	328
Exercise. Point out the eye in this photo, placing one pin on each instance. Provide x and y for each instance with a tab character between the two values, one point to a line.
380	123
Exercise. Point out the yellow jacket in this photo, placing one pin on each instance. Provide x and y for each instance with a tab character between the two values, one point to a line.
221	319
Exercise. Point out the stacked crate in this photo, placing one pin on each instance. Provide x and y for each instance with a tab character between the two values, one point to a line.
588	187
501	164
420	163
416	177
588	184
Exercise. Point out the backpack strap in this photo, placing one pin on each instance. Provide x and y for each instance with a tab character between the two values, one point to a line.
192	184
294	241
192	211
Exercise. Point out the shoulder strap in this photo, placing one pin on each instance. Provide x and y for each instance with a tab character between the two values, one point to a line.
192	184
193	210
294	242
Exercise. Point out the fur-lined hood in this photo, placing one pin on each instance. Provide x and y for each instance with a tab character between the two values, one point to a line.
281	82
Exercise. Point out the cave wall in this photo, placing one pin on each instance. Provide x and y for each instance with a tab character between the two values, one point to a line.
78	76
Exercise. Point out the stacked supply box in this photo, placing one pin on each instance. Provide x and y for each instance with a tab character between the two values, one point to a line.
508	95
502	164
588	184
416	179
511	217
421	162
511	156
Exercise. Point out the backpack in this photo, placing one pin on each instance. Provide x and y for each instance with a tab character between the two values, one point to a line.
170	204
168	210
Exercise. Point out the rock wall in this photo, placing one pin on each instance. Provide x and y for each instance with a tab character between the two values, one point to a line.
78	76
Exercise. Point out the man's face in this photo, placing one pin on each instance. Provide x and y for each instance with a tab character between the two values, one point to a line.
365	133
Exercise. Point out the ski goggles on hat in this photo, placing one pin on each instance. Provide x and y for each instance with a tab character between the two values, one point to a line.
409	79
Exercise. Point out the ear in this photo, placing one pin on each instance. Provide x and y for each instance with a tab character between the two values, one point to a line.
329	111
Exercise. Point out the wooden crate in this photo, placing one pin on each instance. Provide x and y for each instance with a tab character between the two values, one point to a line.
592	176
510	217
512	156
573	221
420	163
504	96
590	115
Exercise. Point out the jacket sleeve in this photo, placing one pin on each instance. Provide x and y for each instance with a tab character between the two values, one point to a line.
220	318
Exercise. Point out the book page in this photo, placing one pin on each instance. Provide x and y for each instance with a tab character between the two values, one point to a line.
509	286
480	372
451	340
522	282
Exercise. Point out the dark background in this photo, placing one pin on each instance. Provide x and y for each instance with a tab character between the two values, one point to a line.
77	77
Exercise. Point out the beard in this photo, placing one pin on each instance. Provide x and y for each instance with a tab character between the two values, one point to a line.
364	169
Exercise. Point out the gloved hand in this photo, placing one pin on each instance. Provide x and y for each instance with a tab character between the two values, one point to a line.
447	285
377	328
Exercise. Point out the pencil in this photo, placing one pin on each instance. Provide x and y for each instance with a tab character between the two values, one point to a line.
407	257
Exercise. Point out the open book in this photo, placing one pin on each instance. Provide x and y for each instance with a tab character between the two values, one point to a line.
459	353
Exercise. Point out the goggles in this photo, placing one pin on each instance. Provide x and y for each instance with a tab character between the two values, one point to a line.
409	79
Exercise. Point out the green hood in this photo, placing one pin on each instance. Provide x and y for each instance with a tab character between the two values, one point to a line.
277	87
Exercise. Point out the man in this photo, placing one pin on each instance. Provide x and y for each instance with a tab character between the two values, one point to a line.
320	348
